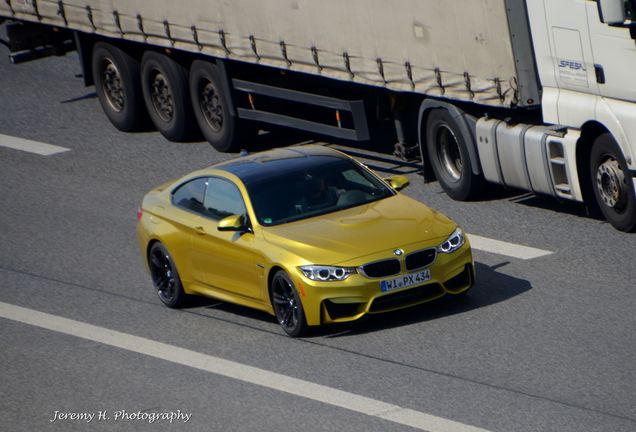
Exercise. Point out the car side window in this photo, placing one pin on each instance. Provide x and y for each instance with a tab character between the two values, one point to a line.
190	195
222	199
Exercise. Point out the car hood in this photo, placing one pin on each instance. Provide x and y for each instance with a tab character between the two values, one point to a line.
345	236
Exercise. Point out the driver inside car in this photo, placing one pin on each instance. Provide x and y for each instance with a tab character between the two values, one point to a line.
316	194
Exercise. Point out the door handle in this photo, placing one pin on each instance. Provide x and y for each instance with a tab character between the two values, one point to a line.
600	73
200	230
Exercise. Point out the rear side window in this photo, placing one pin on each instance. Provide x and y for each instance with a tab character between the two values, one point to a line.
190	195
222	199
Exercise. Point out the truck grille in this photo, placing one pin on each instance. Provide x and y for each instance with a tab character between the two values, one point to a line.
388	267
420	259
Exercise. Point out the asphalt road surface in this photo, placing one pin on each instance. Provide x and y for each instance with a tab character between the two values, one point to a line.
540	344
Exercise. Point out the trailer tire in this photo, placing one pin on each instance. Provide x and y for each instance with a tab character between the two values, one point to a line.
613	187
447	150
118	87
211	105
165	88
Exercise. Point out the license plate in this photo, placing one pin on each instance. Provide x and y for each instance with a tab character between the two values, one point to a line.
405	280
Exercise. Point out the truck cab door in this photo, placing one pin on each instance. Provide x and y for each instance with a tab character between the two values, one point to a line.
572	60
571	48
614	52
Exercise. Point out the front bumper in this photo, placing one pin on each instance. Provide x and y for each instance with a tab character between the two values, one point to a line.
331	302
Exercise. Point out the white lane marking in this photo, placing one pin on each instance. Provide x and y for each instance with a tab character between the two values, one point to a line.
238	371
30	146
505	248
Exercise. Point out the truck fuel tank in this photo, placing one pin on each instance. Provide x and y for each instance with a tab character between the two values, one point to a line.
540	159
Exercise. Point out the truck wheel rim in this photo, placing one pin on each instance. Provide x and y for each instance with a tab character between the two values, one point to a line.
211	107
448	153
610	182
161	96
112	86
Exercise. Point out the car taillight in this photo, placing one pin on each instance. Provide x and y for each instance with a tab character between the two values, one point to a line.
140	213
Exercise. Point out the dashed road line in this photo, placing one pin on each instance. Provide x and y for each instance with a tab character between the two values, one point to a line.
504	248
26	145
261	377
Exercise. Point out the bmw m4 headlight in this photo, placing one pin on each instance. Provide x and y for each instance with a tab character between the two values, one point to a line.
327	273
454	242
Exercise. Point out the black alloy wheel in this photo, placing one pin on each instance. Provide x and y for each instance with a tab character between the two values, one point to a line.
165	89
118	87
165	276
613	187
448	152
287	305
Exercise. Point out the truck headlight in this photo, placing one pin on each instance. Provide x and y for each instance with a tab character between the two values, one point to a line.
327	273
454	242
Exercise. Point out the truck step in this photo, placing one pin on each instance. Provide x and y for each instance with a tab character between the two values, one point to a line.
563	188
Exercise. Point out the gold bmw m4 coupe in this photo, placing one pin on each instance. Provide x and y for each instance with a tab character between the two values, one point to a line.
305	233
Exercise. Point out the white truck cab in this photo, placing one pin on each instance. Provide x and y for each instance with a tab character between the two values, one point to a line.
585	55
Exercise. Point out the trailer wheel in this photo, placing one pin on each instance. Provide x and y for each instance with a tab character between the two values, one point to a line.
117	84
165	88
448	153
210	103
613	188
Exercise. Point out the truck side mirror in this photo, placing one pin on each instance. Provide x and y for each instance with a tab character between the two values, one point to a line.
612	12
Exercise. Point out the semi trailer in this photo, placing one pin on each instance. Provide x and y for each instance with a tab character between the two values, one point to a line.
530	94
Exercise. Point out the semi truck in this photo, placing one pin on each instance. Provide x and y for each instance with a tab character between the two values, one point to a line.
535	95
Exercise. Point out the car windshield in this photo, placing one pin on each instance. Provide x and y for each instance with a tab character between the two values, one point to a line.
328	187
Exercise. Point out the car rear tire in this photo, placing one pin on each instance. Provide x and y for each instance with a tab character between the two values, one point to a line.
210	102
118	87
165	88
165	277
448	152
613	187
287	305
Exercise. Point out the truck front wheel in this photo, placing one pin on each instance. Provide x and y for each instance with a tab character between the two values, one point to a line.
116	77
448	152
211	108
613	187
165	89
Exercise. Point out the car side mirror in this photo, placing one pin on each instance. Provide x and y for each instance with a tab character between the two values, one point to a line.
398	182
233	223
612	12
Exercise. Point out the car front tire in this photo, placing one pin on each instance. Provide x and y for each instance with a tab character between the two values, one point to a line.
287	305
